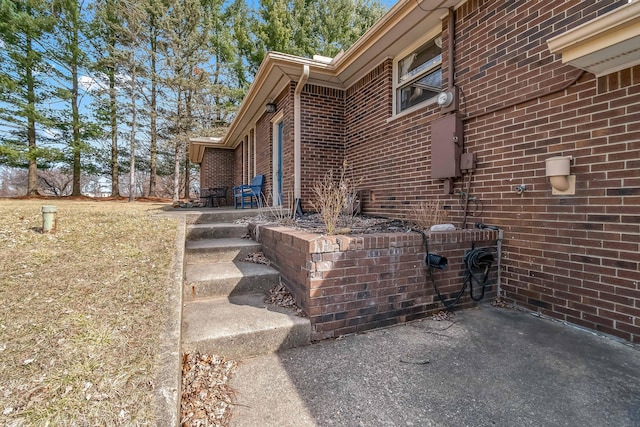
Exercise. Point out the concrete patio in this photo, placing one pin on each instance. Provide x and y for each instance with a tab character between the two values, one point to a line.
487	367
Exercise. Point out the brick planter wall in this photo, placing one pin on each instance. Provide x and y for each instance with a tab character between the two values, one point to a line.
353	283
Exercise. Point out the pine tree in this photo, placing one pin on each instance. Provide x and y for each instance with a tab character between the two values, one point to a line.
105	30
70	55
308	27
185	51
273	29
156	11
23	26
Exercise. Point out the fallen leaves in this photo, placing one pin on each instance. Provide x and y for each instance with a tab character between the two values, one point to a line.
442	315
501	303
258	258
207	398
279	295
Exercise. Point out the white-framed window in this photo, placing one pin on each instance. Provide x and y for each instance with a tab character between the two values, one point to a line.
417	74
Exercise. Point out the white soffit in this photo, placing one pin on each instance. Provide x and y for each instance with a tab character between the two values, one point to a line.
603	45
197	146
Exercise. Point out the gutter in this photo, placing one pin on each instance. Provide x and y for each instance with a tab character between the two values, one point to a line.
297	124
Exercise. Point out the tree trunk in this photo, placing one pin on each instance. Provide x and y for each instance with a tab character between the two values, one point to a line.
113	113
154	113
187	172
32	175
132	147
176	172
76	130
77	143
178	150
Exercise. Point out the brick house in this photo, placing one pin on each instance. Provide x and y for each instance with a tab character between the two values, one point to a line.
518	83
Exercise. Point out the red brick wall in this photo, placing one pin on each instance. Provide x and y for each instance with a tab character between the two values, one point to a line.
217	170
391	157
575	258
287	135
322	137
322	141
350	284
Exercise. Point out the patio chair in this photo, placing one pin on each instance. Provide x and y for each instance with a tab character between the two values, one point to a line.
212	196
252	191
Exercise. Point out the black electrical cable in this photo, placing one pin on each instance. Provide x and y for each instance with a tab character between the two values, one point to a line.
474	259
477	259
425	242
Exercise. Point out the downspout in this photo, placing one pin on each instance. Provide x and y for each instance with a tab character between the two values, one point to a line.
451	57
297	149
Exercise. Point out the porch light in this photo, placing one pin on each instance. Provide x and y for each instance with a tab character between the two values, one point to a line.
271	107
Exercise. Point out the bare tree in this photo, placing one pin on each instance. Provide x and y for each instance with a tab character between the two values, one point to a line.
13	181
55	182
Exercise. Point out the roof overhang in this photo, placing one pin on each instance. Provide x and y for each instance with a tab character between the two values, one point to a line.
606	44
406	22
197	146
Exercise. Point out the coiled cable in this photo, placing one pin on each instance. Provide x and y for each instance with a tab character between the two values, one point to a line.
476	261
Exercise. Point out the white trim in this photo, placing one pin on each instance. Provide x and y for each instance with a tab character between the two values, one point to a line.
604	45
244	159
425	104
415	45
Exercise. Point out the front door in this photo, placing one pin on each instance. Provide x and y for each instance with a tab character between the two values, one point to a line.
277	161
279	199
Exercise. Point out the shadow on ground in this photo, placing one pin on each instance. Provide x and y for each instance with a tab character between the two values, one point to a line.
488	366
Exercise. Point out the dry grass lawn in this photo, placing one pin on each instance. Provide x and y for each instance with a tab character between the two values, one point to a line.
81	311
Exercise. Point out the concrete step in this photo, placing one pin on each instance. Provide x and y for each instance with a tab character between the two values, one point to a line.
219	215
228	278
241	326
219	250
216	231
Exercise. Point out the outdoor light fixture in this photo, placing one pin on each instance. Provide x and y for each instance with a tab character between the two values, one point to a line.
271	107
558	171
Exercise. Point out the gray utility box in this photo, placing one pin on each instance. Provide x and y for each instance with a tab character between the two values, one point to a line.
446	146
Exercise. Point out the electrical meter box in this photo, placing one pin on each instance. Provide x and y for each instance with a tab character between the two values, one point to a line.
446	146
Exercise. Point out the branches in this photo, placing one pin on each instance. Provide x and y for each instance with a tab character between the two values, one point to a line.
336	199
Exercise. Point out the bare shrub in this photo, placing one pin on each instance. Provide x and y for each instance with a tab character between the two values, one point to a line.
350	195
428	213
328	201
283	215
337	199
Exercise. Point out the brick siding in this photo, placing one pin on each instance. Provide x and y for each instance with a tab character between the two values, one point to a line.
322	137
217	170
574	258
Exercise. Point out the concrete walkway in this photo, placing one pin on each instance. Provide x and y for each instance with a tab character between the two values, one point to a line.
487	367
